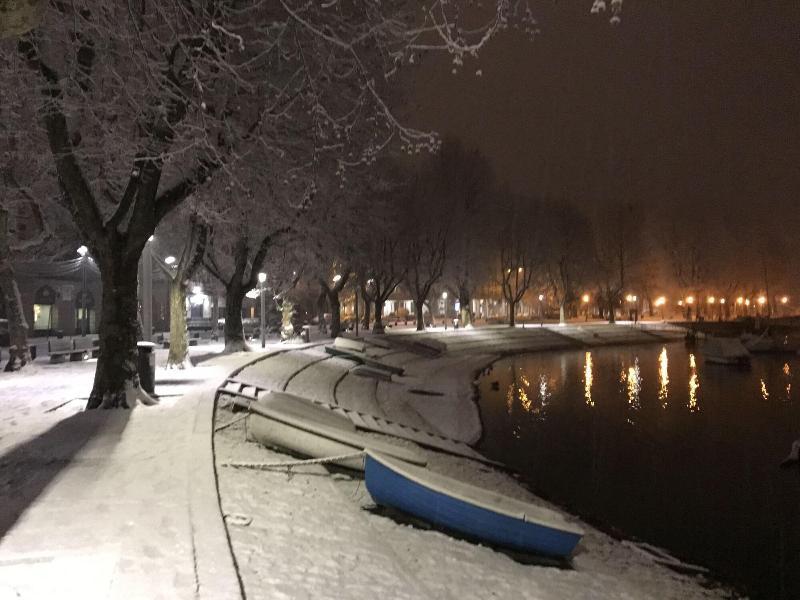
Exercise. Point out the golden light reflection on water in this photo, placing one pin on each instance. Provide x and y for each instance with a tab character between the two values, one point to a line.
694	384
663	377
764	392
588	379
634	384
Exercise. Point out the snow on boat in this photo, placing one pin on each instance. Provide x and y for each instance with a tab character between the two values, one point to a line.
467	509
726	351
298	425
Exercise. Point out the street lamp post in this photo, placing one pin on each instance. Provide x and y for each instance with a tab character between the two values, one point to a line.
147	290
83	251
262	277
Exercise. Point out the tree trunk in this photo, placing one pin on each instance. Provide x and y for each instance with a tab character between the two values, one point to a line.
367	310
178	334
465	301
612	316
512	314
378	327
336	316
562	313
234	331
419	305
19	354
116	380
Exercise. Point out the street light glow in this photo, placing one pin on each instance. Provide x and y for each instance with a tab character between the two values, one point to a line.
336	278
169	260
711	300
83	250
541	297
661	301
762	300
747	302
784	299
740	300
690	300
722	300
585	298
444	295
262	277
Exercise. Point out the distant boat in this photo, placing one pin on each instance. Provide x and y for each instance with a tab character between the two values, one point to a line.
475	512
768	343
296	424
793	459
726	351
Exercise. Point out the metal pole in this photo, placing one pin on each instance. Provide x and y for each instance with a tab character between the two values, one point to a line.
147	293
263	310
356	294
84	324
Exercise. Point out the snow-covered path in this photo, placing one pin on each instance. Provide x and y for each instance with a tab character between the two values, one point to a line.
110	504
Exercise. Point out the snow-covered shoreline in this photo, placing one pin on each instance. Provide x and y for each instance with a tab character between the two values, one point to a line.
315	532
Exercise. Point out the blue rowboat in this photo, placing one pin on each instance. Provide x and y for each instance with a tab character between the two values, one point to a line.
473	511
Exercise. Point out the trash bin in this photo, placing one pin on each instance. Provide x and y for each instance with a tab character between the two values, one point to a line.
306	333
146	366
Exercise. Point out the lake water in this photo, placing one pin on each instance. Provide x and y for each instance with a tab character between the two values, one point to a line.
653	442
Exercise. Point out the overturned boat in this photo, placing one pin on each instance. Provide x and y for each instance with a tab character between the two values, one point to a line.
295	424
469	510
726	351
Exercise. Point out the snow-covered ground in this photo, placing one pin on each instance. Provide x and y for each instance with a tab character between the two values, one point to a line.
314	533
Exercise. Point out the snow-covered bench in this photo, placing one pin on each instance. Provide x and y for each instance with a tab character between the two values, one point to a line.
84	347
344	343
77	348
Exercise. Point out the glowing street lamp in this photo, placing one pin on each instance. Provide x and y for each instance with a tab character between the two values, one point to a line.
740	301
170	260
747	301
762	300
784	299
711	299
585	298
722	300
336	278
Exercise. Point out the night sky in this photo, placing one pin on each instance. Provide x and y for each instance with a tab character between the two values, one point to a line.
689	109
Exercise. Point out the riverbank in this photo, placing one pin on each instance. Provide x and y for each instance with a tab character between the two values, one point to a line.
315	533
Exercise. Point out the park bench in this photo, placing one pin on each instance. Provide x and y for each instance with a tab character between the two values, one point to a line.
363	360
84	347
343	343
77	348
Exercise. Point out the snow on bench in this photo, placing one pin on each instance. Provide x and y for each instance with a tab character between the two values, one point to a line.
77	348
347	344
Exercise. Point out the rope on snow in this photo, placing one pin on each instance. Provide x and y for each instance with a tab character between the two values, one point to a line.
231	422
293	463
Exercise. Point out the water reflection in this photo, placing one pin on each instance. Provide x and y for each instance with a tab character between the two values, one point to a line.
663	377
694	384
588	379
604	435
634	385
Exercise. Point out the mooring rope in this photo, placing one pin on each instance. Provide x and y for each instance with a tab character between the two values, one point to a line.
293	463
231	422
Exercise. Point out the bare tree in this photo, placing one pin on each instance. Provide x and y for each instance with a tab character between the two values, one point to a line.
178	275
142	104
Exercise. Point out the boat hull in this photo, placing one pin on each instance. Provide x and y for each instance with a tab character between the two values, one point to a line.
390	488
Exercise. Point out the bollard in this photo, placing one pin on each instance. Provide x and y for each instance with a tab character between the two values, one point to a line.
146	366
